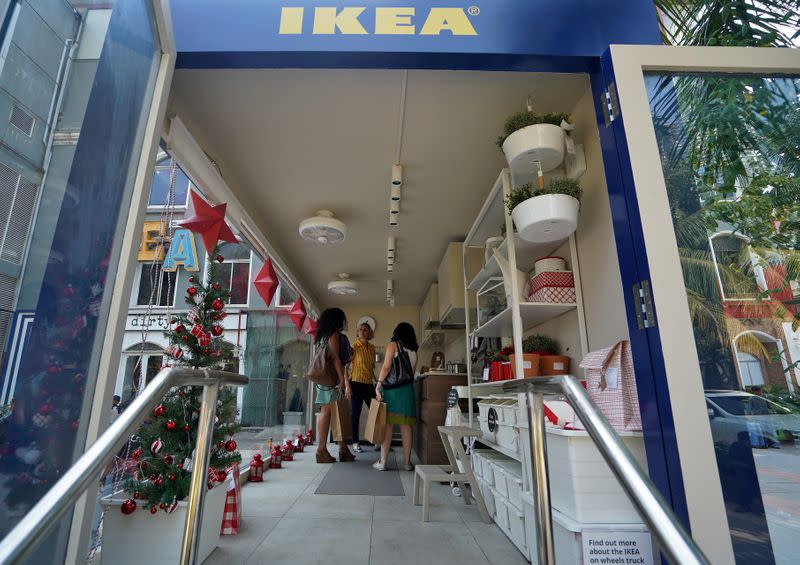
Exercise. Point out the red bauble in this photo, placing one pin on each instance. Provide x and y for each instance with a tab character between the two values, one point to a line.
191	280
137	454
162	506
220	258
186	427
206	351
157	446
185	337
229	295
191	291
171	425
136	495
181	393
69	291
171	477
159	481
180	328
216	286
173	321
45	409
153	510
221	474
152	478
217	316
177	353
168	459
221	444
230	445
128	506
159	410
216	331
217	304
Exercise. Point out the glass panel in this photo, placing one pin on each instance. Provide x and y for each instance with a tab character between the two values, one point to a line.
149	277
729	151
101	90
240	282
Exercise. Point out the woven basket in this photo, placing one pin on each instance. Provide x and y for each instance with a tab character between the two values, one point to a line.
546	264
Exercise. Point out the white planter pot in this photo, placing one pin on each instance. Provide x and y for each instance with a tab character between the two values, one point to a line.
541	142
548	217
126	537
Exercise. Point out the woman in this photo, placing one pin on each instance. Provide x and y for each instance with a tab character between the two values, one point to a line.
401	406
329	334
362	378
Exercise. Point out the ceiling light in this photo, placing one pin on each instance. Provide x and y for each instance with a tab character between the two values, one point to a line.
393	219
389	285
391	302
343	286
395	192
390	268
397	175
323	229
391	243
394	206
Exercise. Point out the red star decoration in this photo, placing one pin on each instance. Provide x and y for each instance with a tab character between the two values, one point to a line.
310	327
209	222
266	282
298	313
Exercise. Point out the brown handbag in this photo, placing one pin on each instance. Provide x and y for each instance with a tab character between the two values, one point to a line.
322	370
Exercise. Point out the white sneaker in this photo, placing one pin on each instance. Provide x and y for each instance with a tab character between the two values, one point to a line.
379	466
357	448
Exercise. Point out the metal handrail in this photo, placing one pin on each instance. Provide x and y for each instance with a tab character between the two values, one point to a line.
43	516
675	541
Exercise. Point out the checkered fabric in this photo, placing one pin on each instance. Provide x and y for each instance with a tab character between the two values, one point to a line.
611	383
233	503
553	286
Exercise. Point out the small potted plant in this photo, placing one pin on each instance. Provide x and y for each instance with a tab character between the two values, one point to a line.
531	358
545	214
550	362
499	369
532	140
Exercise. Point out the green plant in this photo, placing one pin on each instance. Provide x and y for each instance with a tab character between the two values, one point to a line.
540	344
524	119
558	185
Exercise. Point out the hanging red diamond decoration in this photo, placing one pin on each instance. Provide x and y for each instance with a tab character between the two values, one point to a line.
266	282
298	313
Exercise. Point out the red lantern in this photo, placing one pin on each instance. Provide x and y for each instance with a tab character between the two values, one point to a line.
266	282
256	469
310	437
288	450
298	313
299	443
276	457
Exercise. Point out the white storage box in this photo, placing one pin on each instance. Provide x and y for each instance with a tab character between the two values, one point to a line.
582	485
500	510
486	403
488	497
509	412
516	526
503	435
510	473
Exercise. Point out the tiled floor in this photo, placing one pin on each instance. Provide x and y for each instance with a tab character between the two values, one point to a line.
284	522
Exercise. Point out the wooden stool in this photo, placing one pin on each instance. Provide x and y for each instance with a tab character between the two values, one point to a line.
452	437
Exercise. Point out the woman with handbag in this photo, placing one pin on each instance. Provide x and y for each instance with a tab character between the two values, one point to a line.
396	388
327	372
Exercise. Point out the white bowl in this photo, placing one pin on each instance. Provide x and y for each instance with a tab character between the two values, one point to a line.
548	217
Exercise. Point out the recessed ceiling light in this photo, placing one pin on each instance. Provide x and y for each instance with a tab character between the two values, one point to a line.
343	286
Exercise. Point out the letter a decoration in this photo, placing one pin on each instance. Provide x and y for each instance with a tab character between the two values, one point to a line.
298	313
209	222
266	282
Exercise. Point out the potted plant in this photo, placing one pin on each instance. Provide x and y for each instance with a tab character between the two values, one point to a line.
545	214
550	362
499	369
531	357
532	140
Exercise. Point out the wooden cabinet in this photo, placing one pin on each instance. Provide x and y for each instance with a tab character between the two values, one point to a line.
431	393
451	283
429	312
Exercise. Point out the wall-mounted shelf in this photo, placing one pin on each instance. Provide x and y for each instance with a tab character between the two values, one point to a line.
532	314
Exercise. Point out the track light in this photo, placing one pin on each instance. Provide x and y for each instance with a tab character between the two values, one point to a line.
389	285
393	219
394	206
390	247
395	192
389	268
397	175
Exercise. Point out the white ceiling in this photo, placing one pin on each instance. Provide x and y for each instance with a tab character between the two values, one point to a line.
290	142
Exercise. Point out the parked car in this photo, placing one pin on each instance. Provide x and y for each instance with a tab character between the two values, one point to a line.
733	411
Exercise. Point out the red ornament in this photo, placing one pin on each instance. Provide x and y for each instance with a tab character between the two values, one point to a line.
220	258
186	427
191	291
180	328
204	341
74	425
171	425
216	331
230	445
171	477
191	280
69	291
162	506
159	481
178	353
153	510
197	330
185	337
298	313
221	474
181	393
45	408
157	446
168	459
128	506
159	410
209	222
256	469
266	282
229	295
173	321
310	327
221	444
136	495
217	304
137	454
217	316
216	286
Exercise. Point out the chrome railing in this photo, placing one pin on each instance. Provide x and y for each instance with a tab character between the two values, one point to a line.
32	529
673	539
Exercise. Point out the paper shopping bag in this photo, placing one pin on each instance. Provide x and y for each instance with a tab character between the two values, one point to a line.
376	422
340	420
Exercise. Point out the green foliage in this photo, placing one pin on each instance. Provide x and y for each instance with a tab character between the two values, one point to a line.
524	119
164	477
540	344
558	185
782	397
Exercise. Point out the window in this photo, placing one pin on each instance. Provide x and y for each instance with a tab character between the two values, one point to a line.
138	369
234	272
286	295
164	293
18	198
750	370
159	191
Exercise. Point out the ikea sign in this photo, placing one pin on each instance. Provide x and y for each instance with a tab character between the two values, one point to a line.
392	20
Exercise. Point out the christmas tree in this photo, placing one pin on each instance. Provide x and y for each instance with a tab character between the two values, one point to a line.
167	439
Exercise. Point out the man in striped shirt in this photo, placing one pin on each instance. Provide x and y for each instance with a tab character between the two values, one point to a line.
362	377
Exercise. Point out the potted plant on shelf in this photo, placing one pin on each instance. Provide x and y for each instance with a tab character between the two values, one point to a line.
532	140
550	362
545	214
499	367
531	358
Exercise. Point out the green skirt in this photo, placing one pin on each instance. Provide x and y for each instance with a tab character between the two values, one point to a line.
401	406
326	395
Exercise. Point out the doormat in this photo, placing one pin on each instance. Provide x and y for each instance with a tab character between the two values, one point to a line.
359	477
